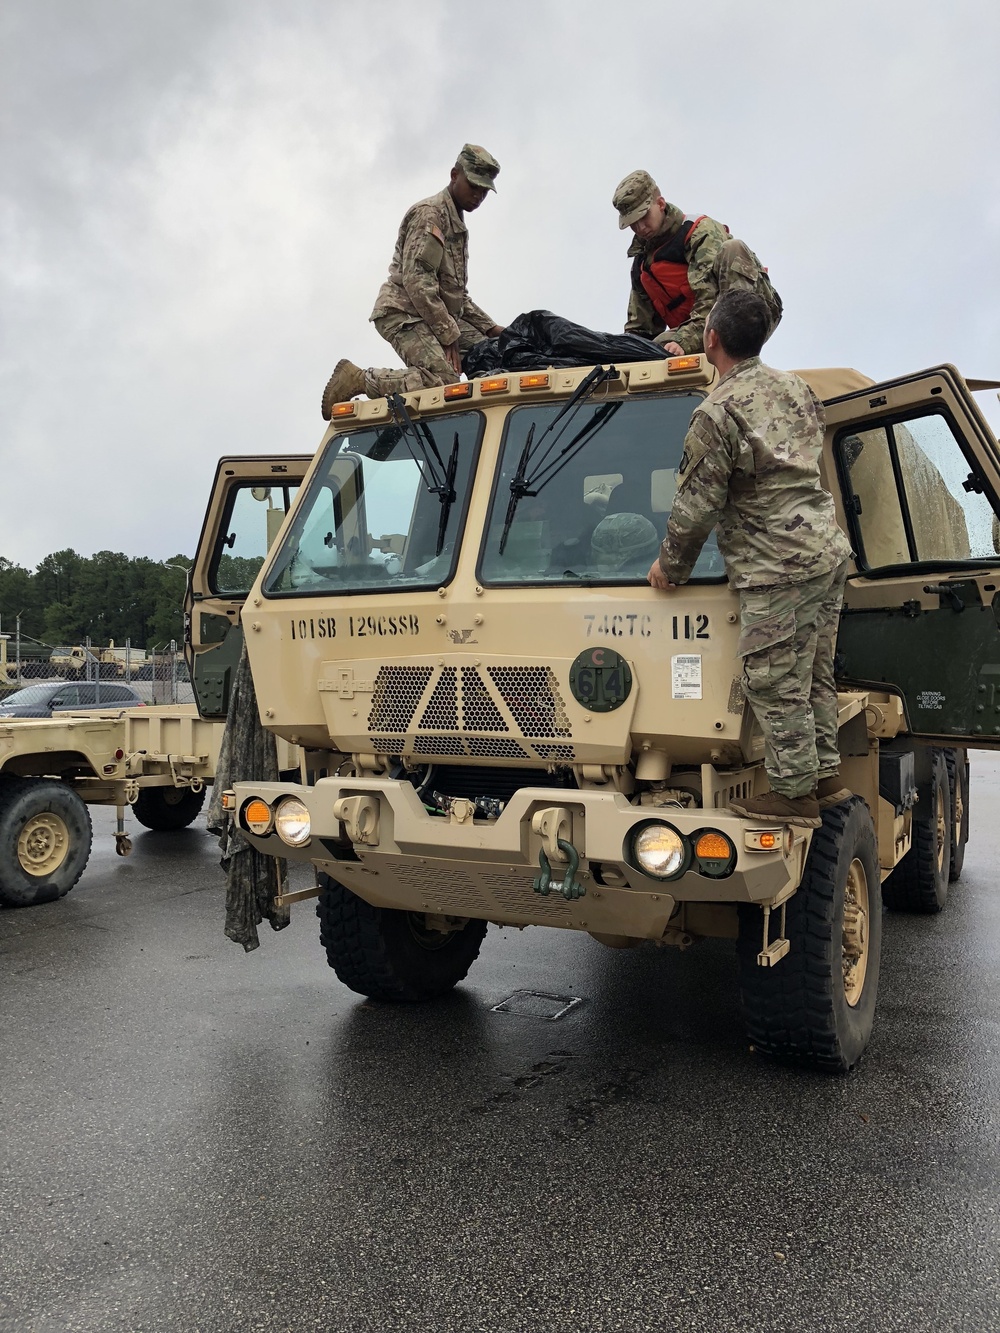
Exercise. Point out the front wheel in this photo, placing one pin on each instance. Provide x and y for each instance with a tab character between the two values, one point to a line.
817	1004
391	955
45	840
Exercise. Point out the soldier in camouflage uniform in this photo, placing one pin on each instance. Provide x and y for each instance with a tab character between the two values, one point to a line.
751	466
680	265
423	308
622	543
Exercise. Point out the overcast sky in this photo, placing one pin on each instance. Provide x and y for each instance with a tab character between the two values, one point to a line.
199	199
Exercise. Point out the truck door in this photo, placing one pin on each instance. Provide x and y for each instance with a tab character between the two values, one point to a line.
915	472
249	500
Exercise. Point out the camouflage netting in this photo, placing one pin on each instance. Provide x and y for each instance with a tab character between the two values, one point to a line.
248	754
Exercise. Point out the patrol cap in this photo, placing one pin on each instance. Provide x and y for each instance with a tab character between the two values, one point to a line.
634	197
620	539
480	168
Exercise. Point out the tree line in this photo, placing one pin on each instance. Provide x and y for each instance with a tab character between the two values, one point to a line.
108	595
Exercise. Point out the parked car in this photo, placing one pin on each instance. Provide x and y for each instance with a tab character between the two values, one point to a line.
63	696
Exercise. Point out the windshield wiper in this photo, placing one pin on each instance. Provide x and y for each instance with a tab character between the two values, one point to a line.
547	466
437	476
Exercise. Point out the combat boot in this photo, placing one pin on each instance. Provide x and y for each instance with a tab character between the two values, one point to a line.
773	808
346	381
831	791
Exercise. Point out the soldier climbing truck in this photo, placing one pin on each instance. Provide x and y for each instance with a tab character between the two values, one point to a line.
502	722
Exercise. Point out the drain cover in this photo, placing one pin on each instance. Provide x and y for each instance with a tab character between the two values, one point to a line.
537	1004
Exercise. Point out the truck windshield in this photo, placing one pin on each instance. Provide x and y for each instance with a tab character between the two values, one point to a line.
383	510
594	510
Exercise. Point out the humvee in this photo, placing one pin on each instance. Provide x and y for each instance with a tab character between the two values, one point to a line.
499	723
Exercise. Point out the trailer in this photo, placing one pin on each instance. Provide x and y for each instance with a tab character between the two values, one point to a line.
157	760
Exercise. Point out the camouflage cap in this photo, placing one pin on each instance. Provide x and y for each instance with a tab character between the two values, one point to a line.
480	168
634	197
623	539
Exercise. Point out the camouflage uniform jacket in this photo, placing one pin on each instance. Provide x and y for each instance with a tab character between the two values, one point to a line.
701	250
429	271
751	465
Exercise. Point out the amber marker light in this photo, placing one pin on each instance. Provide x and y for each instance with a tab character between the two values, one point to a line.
496	385
257	816
534	381
714	853
343	410
769	840
677	364
458	391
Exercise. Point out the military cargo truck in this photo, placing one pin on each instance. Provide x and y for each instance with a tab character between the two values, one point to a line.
502	722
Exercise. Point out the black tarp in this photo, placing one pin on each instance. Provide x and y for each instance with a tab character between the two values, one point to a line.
538	339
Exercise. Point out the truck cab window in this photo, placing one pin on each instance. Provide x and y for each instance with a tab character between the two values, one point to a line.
254	516
912	496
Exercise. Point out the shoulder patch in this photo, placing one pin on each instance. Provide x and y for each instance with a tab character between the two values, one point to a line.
436	231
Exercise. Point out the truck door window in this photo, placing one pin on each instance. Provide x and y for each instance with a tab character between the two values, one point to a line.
253	516
912	496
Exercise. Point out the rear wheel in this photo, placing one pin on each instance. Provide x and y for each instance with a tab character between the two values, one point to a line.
45	840
920	882
817	1004
392	955
958	780
167	808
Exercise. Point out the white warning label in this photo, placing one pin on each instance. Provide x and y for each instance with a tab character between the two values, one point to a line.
929	699
685	676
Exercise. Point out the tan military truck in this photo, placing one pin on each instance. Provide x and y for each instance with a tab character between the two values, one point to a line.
502	722
71	662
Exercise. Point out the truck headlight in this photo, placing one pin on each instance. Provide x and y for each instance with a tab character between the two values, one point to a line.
291	822
658	850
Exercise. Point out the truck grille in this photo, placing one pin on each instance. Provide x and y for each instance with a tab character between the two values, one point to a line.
504	712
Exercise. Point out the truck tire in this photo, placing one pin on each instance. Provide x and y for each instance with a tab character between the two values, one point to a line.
45	840
165	809
817	1004
920	882
958	781
390	955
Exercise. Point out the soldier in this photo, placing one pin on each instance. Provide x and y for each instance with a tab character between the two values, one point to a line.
622	543
423	308
680	264
751	465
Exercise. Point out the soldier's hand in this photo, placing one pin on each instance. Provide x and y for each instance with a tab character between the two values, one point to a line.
658	579
495	331
454	357
675	349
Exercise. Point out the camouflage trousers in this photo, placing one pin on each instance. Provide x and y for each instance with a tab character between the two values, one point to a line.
421	353
737	268
787	639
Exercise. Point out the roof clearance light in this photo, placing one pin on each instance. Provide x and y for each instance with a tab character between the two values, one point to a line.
496	385
344	409
257	816
677	364
534	381
458	391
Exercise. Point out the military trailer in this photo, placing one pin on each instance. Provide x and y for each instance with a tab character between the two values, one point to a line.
156	760
502	722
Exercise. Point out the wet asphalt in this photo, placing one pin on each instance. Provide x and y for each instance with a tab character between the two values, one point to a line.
193	1138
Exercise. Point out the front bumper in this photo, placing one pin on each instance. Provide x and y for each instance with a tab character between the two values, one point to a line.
402	856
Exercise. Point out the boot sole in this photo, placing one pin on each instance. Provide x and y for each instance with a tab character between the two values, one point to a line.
800	821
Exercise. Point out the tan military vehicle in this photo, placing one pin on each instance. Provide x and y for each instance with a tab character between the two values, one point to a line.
502	722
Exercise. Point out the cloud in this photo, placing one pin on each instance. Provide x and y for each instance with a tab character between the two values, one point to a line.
200	201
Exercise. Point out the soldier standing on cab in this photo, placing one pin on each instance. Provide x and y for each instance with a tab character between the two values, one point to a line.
680	265
423	309
751	466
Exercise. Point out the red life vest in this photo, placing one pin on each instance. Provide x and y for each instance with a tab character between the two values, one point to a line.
663	275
